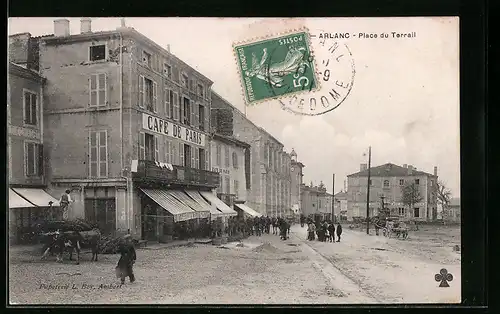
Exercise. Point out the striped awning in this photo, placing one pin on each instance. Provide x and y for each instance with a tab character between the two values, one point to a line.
226	210
168	202
248	210
191	203
198	198
38	197
16	201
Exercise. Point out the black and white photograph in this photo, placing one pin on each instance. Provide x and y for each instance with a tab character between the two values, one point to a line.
267	161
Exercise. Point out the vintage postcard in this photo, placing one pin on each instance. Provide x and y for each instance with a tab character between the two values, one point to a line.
260	161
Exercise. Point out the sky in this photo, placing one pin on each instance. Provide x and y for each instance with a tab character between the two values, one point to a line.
404	102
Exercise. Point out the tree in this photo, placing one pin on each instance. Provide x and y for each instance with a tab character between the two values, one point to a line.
443	197
410	195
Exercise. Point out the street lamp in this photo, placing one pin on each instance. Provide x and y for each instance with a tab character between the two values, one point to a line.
368	192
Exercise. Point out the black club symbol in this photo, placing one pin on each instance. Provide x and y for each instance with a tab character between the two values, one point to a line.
444	277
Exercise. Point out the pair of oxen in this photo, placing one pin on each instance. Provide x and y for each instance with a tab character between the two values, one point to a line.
61	241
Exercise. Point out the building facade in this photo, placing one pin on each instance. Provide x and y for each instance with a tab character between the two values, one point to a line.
340	204
386	186
28	199
296	181
269	182
126	120
316	201
228	159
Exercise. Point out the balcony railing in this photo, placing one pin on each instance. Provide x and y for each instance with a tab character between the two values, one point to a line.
148	170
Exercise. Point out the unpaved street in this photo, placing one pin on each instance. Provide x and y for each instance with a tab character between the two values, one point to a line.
393	270
266	270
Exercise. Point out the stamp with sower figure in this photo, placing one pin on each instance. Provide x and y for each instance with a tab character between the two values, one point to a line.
284	68
275	67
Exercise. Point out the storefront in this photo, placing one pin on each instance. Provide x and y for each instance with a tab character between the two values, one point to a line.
175	202
27	208
244	210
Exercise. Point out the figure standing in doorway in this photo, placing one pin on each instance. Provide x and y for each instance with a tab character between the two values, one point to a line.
64	203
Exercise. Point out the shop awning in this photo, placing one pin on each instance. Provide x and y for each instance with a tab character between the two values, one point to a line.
197	197
16	201
163	198
38	197
191	203
248	210
214	200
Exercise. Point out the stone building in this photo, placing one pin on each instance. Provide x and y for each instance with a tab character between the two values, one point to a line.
387	181
269	182
316	201
127	130
296	178
29	199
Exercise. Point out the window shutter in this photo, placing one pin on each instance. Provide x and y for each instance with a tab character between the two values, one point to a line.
103	90
197	158
207	118
175	111
194	108
155	97
166	99
175	157
93	147
181	109
141	91
34	111
207	160
181	154
193	157
196	116
142	148
40	159
157	148
103	154
93	90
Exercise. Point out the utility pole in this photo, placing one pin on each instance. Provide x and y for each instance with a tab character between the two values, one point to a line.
368	191
333	198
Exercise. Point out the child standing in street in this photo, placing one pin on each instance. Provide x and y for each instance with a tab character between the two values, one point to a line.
127	259
339	232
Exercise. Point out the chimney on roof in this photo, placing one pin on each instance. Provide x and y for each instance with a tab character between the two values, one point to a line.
410	169
61	27
435	171
168	47
85	25
363	167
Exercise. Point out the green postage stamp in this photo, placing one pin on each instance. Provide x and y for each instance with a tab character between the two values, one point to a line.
276	67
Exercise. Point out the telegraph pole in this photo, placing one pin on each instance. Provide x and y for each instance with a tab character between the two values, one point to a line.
368	191
333	198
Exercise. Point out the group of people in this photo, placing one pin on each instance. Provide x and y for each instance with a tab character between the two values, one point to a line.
325	231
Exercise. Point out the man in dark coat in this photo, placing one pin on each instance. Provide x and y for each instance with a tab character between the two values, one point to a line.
256	225
331	232
127	259
339	232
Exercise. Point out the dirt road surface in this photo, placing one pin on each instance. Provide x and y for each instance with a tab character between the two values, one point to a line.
265	270
394	270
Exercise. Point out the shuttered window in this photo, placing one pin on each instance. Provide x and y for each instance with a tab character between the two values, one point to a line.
98	90
226	156
176	106
207	160
30	108
141	91
218	155
33	159
168	152
98	154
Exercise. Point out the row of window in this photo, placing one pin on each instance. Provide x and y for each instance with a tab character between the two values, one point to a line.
225	186
152	61
177	107
401	182
227	153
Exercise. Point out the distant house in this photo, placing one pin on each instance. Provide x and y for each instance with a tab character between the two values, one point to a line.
385	183
453	210
340	207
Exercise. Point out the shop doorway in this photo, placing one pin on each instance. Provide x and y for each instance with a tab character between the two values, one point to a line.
102	211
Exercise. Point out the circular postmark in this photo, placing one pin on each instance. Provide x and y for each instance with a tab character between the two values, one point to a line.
332	69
